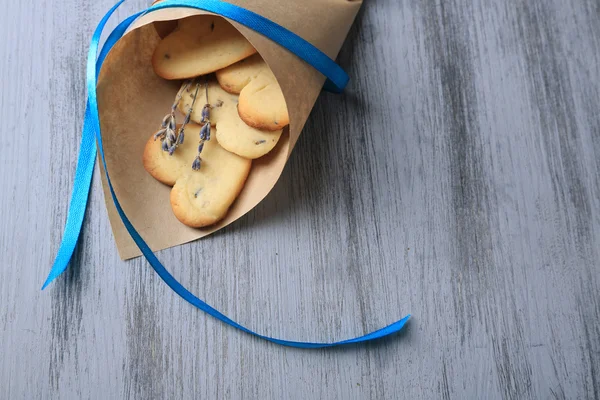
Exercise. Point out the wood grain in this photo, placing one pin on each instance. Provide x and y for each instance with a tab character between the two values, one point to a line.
458	179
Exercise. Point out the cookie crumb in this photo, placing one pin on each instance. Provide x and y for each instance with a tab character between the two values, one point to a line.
167	56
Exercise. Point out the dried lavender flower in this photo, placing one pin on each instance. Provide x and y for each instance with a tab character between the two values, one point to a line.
197	163
168	125
205	131
165	120
171	136
160	133
188	116
206	113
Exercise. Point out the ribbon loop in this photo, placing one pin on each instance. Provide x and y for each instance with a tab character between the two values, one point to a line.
91	133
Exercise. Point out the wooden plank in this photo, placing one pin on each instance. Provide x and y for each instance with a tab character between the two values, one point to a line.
458	179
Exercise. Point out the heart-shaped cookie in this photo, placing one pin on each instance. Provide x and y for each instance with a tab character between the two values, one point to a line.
232	133
198	198
200	45
261	101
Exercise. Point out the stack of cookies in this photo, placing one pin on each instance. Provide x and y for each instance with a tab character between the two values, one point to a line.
231	111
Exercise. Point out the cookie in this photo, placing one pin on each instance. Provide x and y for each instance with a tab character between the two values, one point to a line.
198	198
202	198
262	105
232	133
261	102
235	77
200	45
165	168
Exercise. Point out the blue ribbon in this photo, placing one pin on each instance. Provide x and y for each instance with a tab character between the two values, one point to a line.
336	78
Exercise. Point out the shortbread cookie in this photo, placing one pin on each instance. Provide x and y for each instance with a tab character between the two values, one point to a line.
202	44
261	102
167	168
232	133
235	77
199	198
262	105
202	198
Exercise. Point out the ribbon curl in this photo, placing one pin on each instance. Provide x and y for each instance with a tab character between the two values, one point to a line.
336	81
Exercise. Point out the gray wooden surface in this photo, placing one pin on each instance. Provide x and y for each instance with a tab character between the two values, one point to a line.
457	180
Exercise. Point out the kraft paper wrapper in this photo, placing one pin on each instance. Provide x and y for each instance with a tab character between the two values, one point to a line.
132	101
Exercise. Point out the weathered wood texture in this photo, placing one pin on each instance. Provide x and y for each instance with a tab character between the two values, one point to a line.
458	179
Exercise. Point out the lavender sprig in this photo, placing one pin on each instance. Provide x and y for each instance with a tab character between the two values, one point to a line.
168	127
188	117
204	131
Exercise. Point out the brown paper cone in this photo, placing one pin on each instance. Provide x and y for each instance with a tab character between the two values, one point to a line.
132	101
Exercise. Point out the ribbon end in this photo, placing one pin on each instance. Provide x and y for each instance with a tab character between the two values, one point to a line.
45	285
51	277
